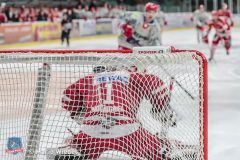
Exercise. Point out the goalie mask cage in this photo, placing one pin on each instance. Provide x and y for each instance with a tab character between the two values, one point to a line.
35	126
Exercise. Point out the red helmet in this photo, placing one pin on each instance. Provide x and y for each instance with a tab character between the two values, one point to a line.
151	7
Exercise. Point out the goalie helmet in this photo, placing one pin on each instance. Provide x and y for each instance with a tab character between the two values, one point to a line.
102	68
151	7
99	69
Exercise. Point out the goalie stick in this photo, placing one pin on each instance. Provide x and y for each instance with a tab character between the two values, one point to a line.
187	154
178	83
64	152
165	127
163	134
160	50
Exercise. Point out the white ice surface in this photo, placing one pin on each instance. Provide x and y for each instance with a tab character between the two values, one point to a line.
224	87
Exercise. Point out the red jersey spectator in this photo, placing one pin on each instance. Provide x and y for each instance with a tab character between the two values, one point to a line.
3	18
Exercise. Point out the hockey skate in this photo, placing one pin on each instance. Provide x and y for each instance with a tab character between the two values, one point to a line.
210	59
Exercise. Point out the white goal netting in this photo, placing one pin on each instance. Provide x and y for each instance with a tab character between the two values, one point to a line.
93	105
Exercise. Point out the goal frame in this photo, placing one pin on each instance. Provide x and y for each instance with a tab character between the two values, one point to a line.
203	93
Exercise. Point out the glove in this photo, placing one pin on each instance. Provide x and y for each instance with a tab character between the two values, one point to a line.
230	26
127	30
133	41
78	115
200	28
205	39
78	118
166	116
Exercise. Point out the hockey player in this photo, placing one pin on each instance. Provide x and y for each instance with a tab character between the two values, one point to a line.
226	13
222	32
140	29
106	105
200	18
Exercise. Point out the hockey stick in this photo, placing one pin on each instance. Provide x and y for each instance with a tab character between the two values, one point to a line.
166	126
163	135
63	152
69	130
178	83
184	155
66	146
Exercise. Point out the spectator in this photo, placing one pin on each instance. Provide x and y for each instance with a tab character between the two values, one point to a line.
87	12
102	11
79	12
3	17
81	3
93	4
32	14
50	14
71	15
12	14
115	12
56	14
42	16
120	2
15	17
21	15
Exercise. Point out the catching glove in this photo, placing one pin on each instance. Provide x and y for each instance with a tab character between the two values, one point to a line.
166	116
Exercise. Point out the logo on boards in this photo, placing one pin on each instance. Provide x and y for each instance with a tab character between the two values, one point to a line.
14	145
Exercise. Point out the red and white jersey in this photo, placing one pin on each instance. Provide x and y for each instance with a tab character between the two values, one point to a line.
114	93
227	15
220	25
113	98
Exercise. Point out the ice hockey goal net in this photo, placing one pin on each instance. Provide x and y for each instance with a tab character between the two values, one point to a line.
103	104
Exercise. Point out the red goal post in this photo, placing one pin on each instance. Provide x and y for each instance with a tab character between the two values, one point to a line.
168	65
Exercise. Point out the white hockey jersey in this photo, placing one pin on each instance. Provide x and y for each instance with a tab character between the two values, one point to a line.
201	18
144	33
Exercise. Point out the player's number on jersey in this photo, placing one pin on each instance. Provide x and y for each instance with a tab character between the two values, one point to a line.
108	99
